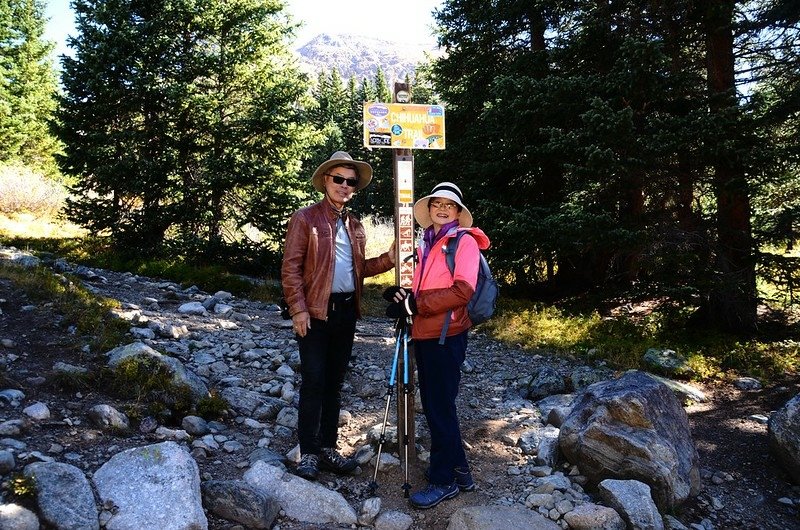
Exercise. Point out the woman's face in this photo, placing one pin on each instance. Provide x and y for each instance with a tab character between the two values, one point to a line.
442	211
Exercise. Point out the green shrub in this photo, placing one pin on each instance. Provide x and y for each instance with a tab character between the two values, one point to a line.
149	384
212	407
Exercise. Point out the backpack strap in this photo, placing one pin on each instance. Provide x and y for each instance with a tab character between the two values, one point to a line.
450	258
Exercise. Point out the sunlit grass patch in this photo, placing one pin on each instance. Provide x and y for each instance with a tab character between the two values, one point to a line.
29	226
90	314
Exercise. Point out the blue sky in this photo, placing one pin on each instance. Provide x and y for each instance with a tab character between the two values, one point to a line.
408	21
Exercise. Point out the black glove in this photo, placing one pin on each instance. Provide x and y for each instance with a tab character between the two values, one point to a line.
395	293
404	308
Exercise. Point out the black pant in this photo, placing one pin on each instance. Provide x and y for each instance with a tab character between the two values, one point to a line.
325	352
439	370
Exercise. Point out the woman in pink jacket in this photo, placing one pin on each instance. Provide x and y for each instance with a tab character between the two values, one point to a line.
435	293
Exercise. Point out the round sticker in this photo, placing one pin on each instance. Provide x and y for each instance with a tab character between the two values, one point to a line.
397	130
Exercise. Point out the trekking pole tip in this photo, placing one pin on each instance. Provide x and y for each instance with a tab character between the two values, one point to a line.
406	489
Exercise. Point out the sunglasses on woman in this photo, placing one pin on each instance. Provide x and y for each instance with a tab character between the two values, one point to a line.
338	179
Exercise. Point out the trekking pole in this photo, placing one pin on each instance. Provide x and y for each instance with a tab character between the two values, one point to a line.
373	486
406	485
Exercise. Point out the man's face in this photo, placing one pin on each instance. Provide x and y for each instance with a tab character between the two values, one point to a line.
341	192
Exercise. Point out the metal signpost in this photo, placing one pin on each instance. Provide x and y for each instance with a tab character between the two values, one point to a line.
401	126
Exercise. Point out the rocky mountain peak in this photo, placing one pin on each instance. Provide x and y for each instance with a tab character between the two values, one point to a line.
360	56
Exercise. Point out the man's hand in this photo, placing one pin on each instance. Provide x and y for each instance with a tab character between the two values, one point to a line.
301	323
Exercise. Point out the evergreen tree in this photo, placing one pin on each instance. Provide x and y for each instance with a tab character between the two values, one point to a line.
181	119
607	146
28	86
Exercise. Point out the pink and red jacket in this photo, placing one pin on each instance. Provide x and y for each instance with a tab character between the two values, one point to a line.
437	292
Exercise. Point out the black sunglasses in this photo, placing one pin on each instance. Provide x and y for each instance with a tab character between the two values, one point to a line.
338	179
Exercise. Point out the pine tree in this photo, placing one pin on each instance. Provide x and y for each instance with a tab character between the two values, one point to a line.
182	118
28	86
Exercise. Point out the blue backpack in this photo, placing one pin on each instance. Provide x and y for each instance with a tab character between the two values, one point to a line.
481	306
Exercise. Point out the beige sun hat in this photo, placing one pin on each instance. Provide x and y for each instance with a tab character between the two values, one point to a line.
341	158
443	190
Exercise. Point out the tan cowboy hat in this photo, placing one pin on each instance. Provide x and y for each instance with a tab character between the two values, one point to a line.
340	158
443	190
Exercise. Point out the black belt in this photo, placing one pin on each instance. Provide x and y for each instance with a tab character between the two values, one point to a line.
340	301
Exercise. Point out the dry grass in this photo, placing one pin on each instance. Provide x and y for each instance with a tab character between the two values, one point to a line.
28	225
30	204
380	234
23	190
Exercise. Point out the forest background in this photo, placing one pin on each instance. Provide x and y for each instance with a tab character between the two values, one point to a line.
637	154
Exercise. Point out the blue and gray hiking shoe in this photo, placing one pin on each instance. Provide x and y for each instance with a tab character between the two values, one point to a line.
433	495
463	478
308	468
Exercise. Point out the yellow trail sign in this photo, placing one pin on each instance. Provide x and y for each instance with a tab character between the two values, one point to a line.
404	126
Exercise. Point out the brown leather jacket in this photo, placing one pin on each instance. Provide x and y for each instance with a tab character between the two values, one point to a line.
309	256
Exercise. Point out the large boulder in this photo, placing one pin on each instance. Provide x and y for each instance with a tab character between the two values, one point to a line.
633	428
64	495
155	486
498	517
784	436
300	499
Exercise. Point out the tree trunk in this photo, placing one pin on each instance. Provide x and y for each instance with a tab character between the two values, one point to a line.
732	300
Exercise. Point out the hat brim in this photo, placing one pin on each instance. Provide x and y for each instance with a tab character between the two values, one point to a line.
363	168
423	215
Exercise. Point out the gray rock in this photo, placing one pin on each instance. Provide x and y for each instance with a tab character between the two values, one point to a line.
368	511
146	484
238	501
243	401
195	425
16	517
64	496
671	523
632	500
143	333
393	520
12	396
685	392
37	411
547	452
106	416
546	382
7	462
61	367
747	383
268	456
180	375
210	302
192	308
168	331
633	428
546	405
783	431
498	518
666	361
288	417
299	498
591	516
583	376
223	295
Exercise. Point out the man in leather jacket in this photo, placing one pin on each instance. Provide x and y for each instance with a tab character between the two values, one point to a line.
322	275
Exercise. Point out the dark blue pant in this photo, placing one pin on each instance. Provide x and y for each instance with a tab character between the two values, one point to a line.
439	370
325	352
